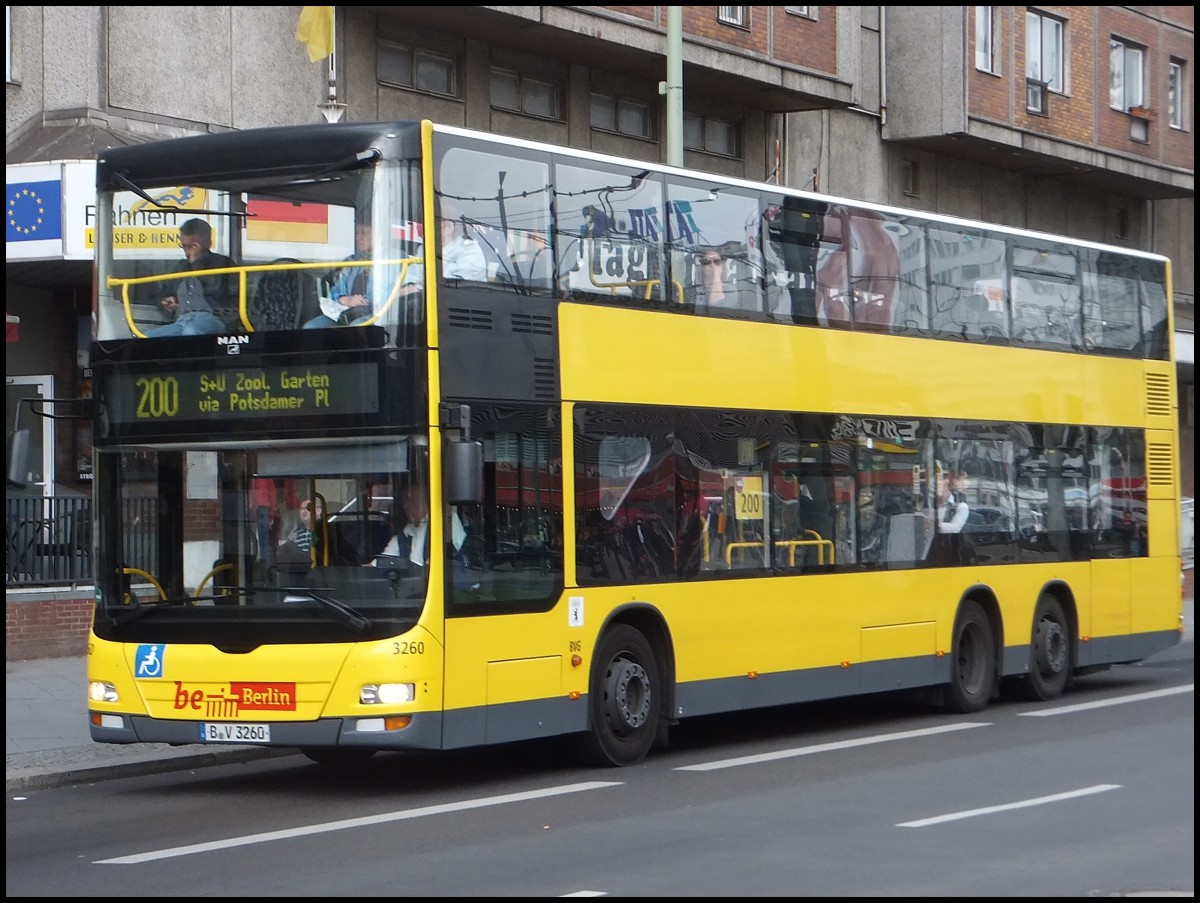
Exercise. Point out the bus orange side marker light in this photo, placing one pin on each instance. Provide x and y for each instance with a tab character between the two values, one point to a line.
576	661
1085	639
574	694
940	654
845	665
396	722
753	675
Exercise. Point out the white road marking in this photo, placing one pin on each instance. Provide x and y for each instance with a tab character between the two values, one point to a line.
362	822
1023	804
831	747
1104	703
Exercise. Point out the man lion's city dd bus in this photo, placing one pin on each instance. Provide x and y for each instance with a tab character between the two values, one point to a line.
641	490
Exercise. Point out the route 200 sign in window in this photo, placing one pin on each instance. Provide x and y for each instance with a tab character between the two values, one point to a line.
300	391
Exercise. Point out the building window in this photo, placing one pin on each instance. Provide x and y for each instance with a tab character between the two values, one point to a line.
1126	81
523	94
1044	52
985	57
1176	92
712	136
405	67
910	176
808	12
734	15
1122	229
621	115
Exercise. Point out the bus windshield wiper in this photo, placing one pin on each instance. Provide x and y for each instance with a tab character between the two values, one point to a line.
354	618
125	182
140	609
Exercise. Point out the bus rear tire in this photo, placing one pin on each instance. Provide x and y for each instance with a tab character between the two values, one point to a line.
623	704
1049	653
973	670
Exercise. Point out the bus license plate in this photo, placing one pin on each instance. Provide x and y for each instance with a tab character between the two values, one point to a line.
235	733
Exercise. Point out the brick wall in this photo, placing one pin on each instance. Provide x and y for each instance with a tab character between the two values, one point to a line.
46	626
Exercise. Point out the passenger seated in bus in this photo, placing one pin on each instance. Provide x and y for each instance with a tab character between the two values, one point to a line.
355	295
306	534
462	258
197	305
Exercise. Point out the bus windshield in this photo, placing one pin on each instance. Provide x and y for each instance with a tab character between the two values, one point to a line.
266	544
210	255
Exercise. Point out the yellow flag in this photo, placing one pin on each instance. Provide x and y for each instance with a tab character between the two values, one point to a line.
316	30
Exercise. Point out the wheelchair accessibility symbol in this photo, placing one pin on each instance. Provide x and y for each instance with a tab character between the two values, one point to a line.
149	660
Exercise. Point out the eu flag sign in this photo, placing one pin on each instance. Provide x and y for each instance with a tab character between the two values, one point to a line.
34	211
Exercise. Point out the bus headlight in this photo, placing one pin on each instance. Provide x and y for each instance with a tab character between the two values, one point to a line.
387	694
102	691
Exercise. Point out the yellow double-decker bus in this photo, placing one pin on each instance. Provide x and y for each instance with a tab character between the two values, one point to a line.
448	439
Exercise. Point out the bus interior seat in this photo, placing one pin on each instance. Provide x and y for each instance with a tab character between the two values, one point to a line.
280	298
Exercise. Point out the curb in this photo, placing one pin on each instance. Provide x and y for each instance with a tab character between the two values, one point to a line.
24	778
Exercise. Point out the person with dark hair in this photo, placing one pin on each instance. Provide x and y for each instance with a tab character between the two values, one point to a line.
305	535
197	303
952	508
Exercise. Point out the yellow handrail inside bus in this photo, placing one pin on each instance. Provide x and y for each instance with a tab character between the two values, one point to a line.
226	566
729	548
138	572
792	544
648	284
124	284
404	263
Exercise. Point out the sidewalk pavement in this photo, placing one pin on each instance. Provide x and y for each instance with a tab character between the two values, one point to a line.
47	744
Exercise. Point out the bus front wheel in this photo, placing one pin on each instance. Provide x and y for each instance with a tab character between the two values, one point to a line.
623	705
973	671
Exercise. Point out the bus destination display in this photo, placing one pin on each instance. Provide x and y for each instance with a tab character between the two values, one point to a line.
304	390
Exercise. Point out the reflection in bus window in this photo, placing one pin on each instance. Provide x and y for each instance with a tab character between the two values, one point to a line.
887	274
715	255
611	234
969	285
504	203
1117	494
1046	299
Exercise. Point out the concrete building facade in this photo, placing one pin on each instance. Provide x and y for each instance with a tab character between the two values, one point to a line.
1064	119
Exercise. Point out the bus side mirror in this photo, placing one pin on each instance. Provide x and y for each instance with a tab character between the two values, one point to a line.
462	471
18	459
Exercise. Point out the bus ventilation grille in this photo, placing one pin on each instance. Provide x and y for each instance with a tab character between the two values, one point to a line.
532	325
1158	464
1158	395
468	318
544	384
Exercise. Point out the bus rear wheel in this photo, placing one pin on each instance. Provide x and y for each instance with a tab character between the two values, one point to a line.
1050	651
973	671
623	705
